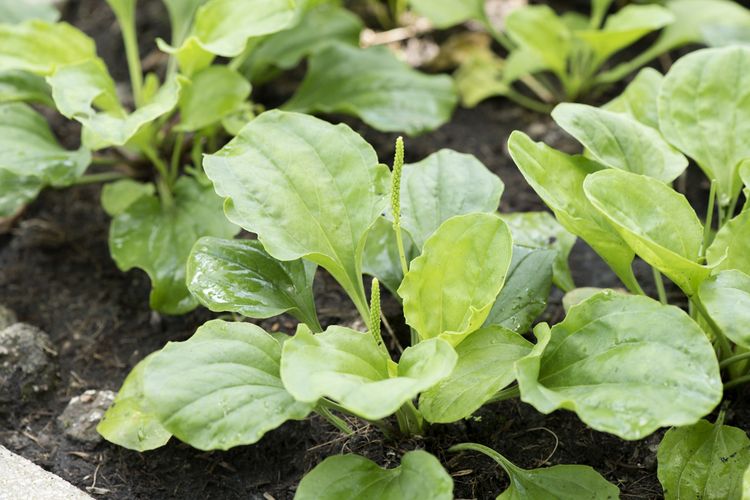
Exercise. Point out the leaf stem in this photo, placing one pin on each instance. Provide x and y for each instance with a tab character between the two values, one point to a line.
527	102
507	393
126	18
726	348
738	381
337	422
410	421
709	218
734	359
503	462
659	282
97	178
174	164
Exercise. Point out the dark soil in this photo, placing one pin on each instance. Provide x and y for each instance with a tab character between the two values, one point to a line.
56	273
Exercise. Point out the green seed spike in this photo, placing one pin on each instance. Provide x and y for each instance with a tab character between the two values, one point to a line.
375	312
398	167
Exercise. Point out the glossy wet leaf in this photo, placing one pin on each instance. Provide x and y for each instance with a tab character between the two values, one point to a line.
702	93
381	259
17	11
239	276
640	98
129	422
564	482
539	29
17	191
344	477
221	388
704	460
526	289
158	239
657	222
305	187
625	364
373	85
118	196
731	246
23	86
618	141
348	367
486	362
450	289
446	13
726	297
212	94
541	230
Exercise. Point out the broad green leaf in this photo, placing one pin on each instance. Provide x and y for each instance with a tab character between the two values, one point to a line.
486	361
726	297
42	47
446	13
348	367
118	196
656	221
481	76
746	484
181	14
17	11
221	388
450	289
129	422
445	184
23	86
558	179
563	482
212	94
157	238
711	88
640	98
618	141
731	246
539	29
526	289
704	461
381	259
306	188
625	364
541	230
16	191
345	477
86	93
239	276
373	85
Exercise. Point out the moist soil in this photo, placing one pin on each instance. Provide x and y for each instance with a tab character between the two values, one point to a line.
56	273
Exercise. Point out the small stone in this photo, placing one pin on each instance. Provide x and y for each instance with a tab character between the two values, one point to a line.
27	365
7	317
83	414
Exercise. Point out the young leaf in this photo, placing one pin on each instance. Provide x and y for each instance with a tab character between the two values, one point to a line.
731	246
26	87
710	87
118	196
656	221
129	422
704	461
306	188
373	85
381	259
537	28
563	482
345	477
625	364
157	238
17	11
221	388
726	297
239	276
618	141
447	13
524	294
640	98
450	289
350	368
486	361
213	94
181	14
445	184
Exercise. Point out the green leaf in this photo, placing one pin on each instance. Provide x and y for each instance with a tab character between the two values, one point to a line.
213	94
23	86
118	196
640	98
446	13
86	93
41	47
158	238
564	482
541	230
306	188
558	179
348	367
578	295
481	76
625	364
450	289
181	14
16	191
726	297
703	461
445	184
373	85
731	246
239	276
711	88
345	477
618	141
656	221
221	388
381	259
524	295
486	361
537	28
129	422
17	11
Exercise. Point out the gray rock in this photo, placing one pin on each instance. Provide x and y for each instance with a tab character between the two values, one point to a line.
21	479
27	365
7	317
83	414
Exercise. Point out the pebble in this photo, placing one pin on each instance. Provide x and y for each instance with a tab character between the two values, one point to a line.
27	363
83	414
